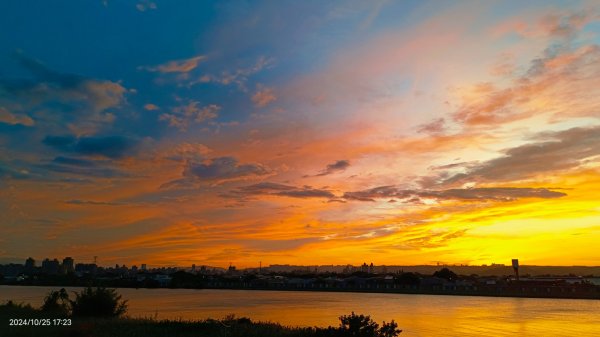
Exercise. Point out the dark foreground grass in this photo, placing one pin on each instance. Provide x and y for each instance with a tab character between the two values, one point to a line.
140	327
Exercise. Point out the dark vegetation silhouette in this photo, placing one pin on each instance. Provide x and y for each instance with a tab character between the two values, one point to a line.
90	302
446	273
363	326
98	302
57	302
100	312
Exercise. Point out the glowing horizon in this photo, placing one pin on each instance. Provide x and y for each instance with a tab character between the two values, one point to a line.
302	133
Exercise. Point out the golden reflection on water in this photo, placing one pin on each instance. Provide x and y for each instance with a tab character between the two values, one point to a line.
417	315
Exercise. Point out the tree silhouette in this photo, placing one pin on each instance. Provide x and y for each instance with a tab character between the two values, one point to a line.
354	325
57	302
99	302
389	329
446	273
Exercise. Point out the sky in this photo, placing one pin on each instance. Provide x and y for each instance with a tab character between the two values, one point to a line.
174	133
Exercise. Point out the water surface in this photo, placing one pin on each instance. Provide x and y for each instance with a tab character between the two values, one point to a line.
417	315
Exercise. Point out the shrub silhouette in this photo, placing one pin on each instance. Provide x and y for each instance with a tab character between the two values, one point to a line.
57	302
99	302
363	326
389	329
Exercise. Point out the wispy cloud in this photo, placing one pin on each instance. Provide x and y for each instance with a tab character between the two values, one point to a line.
145	5
237	76
151	107
338	166
275	189
263	96
481	194
177	66
182	117
8	117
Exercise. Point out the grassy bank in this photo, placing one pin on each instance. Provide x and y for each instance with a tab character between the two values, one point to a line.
351	325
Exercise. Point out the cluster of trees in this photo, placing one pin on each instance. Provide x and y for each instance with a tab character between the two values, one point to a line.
91	302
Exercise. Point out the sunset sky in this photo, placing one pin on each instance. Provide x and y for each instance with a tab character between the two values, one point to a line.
300	132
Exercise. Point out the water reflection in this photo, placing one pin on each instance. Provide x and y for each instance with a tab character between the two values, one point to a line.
417	315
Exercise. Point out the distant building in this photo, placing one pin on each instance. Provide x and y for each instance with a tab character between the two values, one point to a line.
29	264
68	264
371	268
193	268
50	266
143	267
86	268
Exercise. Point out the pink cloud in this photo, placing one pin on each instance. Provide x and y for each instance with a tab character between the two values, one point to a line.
263	97
178	66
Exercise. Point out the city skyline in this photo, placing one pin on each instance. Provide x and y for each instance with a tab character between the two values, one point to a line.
304	133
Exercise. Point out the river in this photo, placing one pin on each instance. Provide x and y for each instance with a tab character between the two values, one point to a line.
417	315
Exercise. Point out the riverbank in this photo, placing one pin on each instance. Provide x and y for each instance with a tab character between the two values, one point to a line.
20	320
417	315
522	290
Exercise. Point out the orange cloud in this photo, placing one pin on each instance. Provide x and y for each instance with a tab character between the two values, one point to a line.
12	119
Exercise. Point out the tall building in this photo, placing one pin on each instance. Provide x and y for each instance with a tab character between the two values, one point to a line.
29	264
68	264
143	267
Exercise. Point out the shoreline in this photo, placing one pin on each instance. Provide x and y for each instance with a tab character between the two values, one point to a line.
580	296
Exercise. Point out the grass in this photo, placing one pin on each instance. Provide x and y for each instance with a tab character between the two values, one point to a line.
100	313
150	327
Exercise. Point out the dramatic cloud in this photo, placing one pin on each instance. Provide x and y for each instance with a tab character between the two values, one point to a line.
13	119
338	166
415	196
557	85
181	117
274	189
557	151
51	86
223	168
263	97
113	147
301	132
